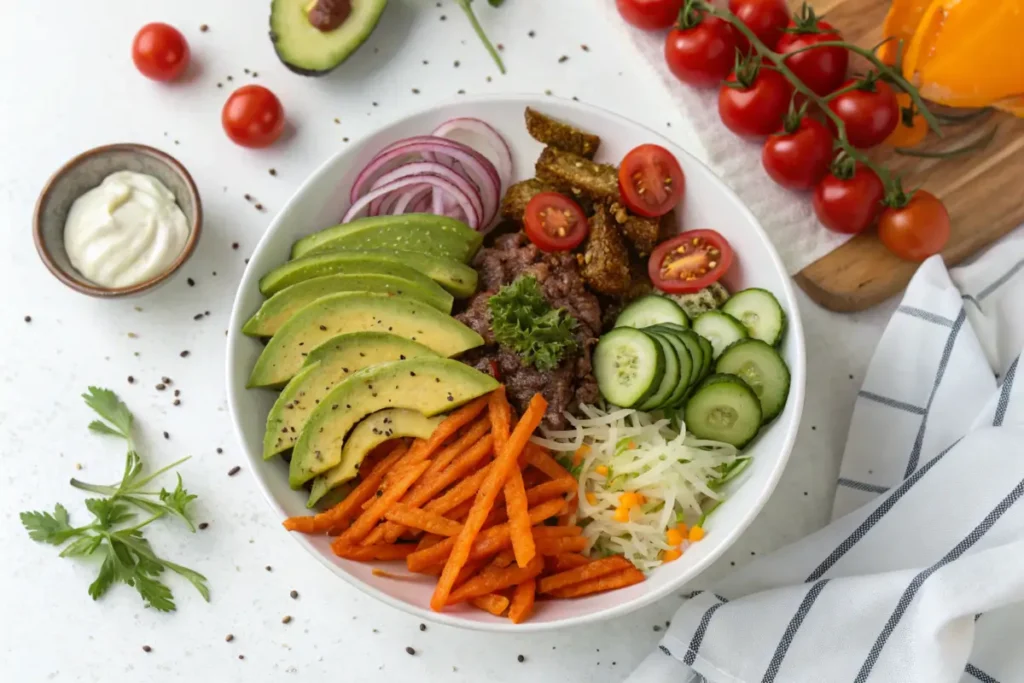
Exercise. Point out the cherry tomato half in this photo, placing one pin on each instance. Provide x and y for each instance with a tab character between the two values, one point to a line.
689	262
649	14
702	55
160	52
798	160
253	116
765	18
870	114
917	230
758	109
822	69
849	205
651	181
554	222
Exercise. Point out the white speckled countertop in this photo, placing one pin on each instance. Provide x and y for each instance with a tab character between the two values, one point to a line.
69	84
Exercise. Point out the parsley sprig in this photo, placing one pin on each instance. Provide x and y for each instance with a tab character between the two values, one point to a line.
524	321
114	534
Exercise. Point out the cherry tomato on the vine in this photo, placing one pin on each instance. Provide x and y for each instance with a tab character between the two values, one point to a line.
649	14
160	52
912	128
253	116
916	230
651	181
849	204
798	159
822	69
765	18
870	113
754	105
554	222
701	54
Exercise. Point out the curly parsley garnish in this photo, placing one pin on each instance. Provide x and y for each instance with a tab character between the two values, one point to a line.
113	533
524	321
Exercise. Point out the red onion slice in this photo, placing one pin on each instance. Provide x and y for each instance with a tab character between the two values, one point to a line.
363	202
411	199
492	139
420	168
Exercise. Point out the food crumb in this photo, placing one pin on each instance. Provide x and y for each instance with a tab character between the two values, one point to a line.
272	171
344	139
575	99
521	659
547	92
248	197
294	595
184	354
191	282
563	59
286	619
269	568
259	207
228	638
425	62
234	470
28	318
176	402
221	450
410	650
657	628
241	656
167	436
501	47
532	34
255	75
423	627
131	380
203	525
132	335
337	120
462	92
230	78
147	648
585	47
443	18
234	245
456	64
78	465
204	28
415	91
197	316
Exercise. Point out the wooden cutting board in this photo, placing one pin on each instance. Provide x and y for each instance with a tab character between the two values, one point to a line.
983	192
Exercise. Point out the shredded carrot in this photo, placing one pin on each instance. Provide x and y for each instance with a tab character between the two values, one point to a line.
591	570
620	579
366	521
495	581
416	518
492	602
522	601
502	465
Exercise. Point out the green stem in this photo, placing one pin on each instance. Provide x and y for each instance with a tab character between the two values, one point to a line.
94	488
464	4
978	144
142	482
849	88
958	119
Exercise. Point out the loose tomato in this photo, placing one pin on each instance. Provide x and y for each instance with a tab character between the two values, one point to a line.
701	50
649	14
754	104
689	262
912	128
850	202
253	116
800	158
822	69
765	18
160	52
554	222
870	113
917	229
651	181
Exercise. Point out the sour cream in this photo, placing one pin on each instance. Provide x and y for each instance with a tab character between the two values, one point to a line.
126	231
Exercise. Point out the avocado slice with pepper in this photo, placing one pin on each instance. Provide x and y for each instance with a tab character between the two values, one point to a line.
312	37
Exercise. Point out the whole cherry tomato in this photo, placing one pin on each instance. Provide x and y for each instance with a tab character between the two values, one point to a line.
701	50
869	112
765	18
160	52
851	201
554	222
822	69
649	14
253	116
754	101
798	158
912	128
651	181
915	229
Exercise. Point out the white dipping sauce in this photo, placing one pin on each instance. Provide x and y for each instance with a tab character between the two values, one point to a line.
126	231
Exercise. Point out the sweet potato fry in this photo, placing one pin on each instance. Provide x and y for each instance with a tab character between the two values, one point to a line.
369	553
342	513
518	518
459	493
416	518
446	455
620	579
542	460
502	465
454	422
492	602
500	413
550	489
565	544
531	475
459	512
565	561
366	521
591	570
495	581
503	559
428	540
556	531
570	512
522	601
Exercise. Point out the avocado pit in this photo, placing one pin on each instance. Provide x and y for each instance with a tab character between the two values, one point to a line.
327	15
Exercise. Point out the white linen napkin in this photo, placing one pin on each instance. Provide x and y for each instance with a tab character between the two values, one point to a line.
787	216
920	577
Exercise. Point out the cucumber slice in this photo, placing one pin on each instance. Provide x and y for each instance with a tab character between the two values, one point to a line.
689	340
762	368
651	310
669	379
759	311
628	365
724	408
721	329
685	361
709	355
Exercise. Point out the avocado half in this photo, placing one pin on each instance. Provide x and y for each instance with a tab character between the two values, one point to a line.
307	50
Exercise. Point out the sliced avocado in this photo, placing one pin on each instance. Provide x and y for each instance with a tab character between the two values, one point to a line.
336	314
308	50
276	310
393	423
424	233
429	385
326	366
456	277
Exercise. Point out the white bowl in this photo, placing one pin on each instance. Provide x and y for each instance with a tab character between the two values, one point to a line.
708	203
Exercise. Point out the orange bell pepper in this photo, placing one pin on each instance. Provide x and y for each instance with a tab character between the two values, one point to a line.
911	130
901	22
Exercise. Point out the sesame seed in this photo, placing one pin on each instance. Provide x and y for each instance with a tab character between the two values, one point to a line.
521	659
228	638
286	620
234	470
410	651
294	595
203	525
147	648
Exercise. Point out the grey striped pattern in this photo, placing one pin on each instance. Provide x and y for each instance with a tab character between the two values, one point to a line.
915	312
1004	394
979	674
698	636
891	402
908	595
862	485
791	629
1000	281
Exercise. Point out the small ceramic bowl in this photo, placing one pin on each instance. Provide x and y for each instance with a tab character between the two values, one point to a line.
87	171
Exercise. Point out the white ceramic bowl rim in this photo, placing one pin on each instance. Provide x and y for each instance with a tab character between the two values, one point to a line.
794	342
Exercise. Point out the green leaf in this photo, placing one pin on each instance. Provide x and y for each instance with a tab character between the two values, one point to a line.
108	406
495	3
132	469
103	428
177	502
525	322
106	577
48	528
86	545
193	577
155	593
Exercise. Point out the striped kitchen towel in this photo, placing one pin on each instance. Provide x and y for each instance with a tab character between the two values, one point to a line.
920	576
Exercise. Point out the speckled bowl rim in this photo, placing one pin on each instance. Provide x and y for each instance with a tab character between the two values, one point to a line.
112	292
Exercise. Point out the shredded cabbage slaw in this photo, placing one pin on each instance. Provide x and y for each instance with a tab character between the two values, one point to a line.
668	478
